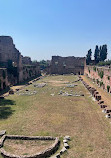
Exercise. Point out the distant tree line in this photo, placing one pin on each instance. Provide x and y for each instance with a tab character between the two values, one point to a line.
100	54
43	64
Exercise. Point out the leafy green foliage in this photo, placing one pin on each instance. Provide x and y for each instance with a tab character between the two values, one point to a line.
108	77
103	63
11	69
89	70
43	64
101	83
108	88
94	68
101	74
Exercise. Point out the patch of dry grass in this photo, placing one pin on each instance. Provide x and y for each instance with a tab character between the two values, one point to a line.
26	147
79	117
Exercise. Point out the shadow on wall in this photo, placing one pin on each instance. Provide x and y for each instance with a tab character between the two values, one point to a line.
5	109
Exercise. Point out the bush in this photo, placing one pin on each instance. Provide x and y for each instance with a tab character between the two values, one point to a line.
101	83
108	77
94	68
108	88
97	81
89	70
101	74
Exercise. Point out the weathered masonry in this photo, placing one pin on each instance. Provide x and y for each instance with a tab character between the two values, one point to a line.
17	67
100	75
3	78
67	65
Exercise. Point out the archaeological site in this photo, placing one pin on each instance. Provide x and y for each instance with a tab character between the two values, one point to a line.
14	68
59	108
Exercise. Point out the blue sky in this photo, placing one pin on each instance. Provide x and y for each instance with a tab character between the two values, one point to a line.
42	28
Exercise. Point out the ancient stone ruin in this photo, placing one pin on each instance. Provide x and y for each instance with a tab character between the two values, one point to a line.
67	65
14	68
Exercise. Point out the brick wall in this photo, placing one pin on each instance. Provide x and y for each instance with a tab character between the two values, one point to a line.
101	75
67	65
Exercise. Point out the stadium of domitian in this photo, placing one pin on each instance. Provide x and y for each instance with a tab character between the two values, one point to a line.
62	111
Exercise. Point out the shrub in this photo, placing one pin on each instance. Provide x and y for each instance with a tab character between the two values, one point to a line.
108	77
101	74
89	70
97	81
101	83
94	68
108	88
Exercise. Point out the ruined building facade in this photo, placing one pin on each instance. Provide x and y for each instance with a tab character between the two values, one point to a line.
67	65
14	63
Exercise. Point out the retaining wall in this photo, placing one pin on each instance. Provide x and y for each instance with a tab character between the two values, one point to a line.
100	75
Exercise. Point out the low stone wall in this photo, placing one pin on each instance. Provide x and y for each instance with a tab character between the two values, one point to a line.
98	98
46	153
100	75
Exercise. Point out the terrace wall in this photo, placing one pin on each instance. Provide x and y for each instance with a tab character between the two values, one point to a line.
101	75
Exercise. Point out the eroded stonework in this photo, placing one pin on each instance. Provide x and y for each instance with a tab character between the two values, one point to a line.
67	65
17	67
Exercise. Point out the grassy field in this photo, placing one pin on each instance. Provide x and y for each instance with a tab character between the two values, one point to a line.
55	115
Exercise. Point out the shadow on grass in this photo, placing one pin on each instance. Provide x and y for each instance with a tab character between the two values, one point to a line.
4	102
5	109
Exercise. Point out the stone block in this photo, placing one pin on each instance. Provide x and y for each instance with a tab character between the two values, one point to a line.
103	106
11	91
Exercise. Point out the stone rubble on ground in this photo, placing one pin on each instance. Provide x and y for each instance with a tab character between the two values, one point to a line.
28	93
2	132
71	85
40	85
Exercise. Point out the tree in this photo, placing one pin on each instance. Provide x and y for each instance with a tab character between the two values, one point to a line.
43	64
88	57
103	52
97	54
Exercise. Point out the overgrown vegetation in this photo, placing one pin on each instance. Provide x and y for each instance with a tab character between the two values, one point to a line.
43	64
108	88
89	70
94	68
104	63
101	74
101	83
11	69
108	77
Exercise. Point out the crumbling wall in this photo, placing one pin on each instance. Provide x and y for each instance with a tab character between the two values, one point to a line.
100	75
3	78
67	65
30	71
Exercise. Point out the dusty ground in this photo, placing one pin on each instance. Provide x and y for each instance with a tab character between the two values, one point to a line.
26	147
43	114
